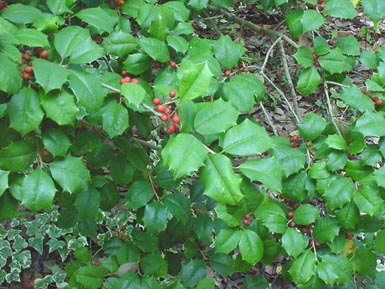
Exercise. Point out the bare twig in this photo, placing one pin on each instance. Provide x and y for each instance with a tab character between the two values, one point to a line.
259	29
268	53
268	118
329	107
289	80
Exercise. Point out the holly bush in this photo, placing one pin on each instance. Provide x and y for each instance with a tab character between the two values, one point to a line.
140	132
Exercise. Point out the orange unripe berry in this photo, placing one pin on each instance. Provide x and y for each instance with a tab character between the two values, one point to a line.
164	117
176	118
172	93
43	54
161	108
156	100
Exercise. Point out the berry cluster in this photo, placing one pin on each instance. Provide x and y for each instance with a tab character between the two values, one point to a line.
168	113
125	78
331	43
246	220
303	229
377	101
295	141
27	70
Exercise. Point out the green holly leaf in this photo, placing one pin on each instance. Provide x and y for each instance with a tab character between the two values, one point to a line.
183	154
335	269
312	126
374	9
178	205
139	194
58	7
371	124
334	62
198	4
24	111
247	138
303	267
326	229
155	48
215	117
348	216
336	142
243	91
308	80
227	240
294	22
21	14
31	37
87	203
87	89
10	79
194	79
294	242
221	183
304	57
120	43
306	214
137	63
133	93
227	52
103	20
250	246
75	42
380	242
153	265
193	272
349	45
60	107
312	20
49	75
17	156
115	118
37	190
266	170
71	174
340	9
353	97
90	276
368	200
292	160
178	43
56	142
3	182
338	192
364	261
272	216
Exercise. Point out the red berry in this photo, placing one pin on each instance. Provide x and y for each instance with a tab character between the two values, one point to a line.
172	93
168	110
176	118
331	42
246	222
125	80
247	216
155	64
295	137
316	64
245	69
349	236
45	153
120	3
123	73
172	64
292	224
364	91
290	214
312	153
227	73
26	76
156	101
295	206
26	56
378	101
161	108
321	6
164	117
37	51
43	54
28	69
315	56
135	81
171	129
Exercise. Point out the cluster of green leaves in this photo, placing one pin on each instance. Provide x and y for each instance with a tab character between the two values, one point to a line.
74	135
